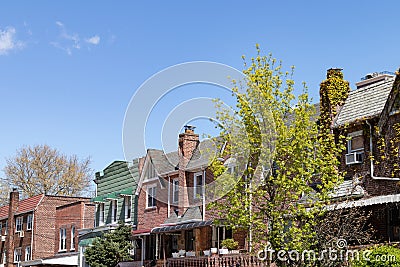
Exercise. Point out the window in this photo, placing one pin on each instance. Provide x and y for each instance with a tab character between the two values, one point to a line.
114	211
29	222
63	239
355	148
198	185
18	224
6	230
151	196
175	190
1	228
17	254
128	207
151	171
4	257
355	142
73	237
28	253
101	214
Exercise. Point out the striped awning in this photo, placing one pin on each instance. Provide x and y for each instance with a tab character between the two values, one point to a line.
184	226
99	199
366	202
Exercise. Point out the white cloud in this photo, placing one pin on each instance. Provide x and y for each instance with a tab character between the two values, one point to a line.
70	41
95	40
8	41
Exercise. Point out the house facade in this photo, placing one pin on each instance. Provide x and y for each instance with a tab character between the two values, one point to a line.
30	229
172	213
115	202
369	118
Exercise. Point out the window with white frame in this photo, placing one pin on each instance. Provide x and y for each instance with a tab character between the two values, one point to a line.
151	196
198	185
4	257
101	214
28	253
6	230
63	239
17	254
1	228
355	142
18	224
128	207
29	222
175	190
114	204
73	237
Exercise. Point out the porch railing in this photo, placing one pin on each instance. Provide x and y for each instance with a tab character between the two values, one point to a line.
223	261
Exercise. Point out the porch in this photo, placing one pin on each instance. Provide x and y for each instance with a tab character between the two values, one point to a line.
239	260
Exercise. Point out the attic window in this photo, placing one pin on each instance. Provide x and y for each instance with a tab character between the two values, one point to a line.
151	172
396	106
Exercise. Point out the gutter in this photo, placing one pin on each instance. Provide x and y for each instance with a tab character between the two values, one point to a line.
372	160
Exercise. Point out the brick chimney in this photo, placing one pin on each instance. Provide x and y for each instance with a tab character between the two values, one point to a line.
187	143
333	93
12	210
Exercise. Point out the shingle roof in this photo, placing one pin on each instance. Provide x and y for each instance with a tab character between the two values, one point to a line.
25	205
191	214
366	102
164	163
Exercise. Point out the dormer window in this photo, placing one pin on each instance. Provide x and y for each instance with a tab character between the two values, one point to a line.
355	148
198	185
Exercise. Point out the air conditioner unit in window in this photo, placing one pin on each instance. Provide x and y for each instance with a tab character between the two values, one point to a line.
3	238
21	234
354	157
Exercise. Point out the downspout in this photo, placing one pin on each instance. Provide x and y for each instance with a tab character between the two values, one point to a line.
169	196
204	194
372	160
32	234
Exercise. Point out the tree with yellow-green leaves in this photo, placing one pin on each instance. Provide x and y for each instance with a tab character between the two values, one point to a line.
44	170
286	164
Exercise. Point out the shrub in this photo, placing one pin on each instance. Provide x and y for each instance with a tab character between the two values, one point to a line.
229	243
378	256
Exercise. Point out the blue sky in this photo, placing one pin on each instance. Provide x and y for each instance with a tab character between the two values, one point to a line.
69	68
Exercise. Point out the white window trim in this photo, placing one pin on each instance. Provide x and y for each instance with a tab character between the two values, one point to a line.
114	210
28	254
21	220
128	205
63	240
350	136
29	218
6	230
147	195
17	253
101	214
174	191
73	228
197	174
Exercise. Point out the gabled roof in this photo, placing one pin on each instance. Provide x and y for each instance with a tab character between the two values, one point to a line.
366	102
25	205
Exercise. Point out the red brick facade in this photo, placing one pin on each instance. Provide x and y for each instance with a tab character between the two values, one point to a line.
39	236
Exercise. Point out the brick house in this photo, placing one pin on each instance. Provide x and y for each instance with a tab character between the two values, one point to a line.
115	201
30	229
172	214
370	118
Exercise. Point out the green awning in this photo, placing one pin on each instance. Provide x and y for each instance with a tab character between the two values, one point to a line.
126	192
98	199
87	242
112	196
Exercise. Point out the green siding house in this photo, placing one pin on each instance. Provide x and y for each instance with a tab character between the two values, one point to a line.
115	201
115	194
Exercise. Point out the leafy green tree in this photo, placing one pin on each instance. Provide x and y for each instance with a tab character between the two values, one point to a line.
110	249
284	161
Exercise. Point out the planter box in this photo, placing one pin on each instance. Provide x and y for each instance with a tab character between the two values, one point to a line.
190	254
175	255
223	251
234	251
182	252
206	252
214	250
